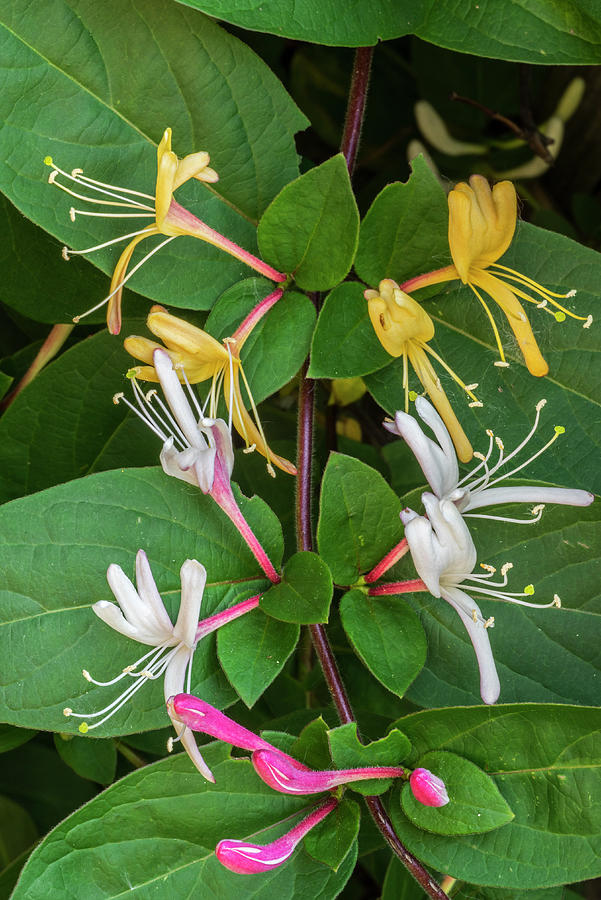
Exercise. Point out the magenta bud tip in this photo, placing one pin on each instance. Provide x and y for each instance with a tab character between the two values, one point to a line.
428	788
250	859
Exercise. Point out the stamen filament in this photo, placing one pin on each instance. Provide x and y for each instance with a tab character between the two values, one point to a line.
492	322
453	375
117	240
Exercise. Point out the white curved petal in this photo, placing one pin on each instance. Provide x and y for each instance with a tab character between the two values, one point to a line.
176	398
170	462
134	608
175	673
420	537
438	461
193	577
457	550
112	616
189	743
490	686
222	440
528	494
204	468
149	593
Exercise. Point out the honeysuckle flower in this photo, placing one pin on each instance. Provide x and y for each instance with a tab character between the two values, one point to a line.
196	449
478	488
434	129
197	357
170	219
246	858
404	329
444	556
288	777
427	788
481	227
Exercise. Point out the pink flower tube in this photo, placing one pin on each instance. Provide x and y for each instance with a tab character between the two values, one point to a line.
289	777
249	859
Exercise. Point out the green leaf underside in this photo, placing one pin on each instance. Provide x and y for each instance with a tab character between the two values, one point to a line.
164	822
305	592
56	547
475	804
96	760
522	31
358	519
388	637
311	228
349	753
537	754
234	107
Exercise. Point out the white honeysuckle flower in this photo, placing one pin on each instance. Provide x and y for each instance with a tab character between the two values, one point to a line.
478	488
196	449
444	556
141	616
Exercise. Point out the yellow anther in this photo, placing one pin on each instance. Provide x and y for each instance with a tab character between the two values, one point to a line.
475	615
540	404
572	293
559	429
170	745
271	470
476	403
589	322
117	397
499	443
505	568
501	364
66	257
538	509
250	449
128	669
471	387
72	213
479	455
86	675
559	316
48	161
67	711
151	393
542	304
490	622
83	728
133	372
489	434
488	568
557	601
529	590
76	172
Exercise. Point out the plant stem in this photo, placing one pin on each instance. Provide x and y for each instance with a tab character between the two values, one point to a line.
304	532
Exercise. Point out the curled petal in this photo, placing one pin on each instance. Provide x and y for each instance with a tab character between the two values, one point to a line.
528	494
148	591
470	614
193	578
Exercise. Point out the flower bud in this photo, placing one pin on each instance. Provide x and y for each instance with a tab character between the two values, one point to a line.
428	788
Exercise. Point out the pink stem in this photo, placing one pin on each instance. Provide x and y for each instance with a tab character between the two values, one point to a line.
212	623
389	560
397	587
437	276
246	858
255	316
51	346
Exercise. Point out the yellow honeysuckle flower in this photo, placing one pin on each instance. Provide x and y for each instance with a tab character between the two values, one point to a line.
404	328
481	227
170	219
197	356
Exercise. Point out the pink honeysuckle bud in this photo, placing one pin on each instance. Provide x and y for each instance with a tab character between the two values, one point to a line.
290	777
428	788
250	859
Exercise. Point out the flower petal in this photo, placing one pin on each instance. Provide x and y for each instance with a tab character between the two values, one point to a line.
193	577
176	398
149	592
438	461
528	494
490	686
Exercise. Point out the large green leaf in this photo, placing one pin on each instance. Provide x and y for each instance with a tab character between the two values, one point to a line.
56	547
189	74
546	761
523	31
64	424
154	832
358	519
387	635
312	227
305	592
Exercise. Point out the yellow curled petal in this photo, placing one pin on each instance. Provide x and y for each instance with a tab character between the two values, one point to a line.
397	318
187	339
141	348
191	166
481	223
427	376
166	171
164	145
517	318
113	312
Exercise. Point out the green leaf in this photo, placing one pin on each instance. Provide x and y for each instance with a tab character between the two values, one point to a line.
312	747
234	107
345	343
311	228
179	818
92	759
387	635
17	830
399	884
64	424
252	651
278	345
542	655
305	592
405	226
349	753
358	518
536	753
332	839
11	737
5	383
475	804
56	547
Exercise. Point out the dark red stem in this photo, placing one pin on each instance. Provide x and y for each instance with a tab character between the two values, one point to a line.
355	110
304	529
